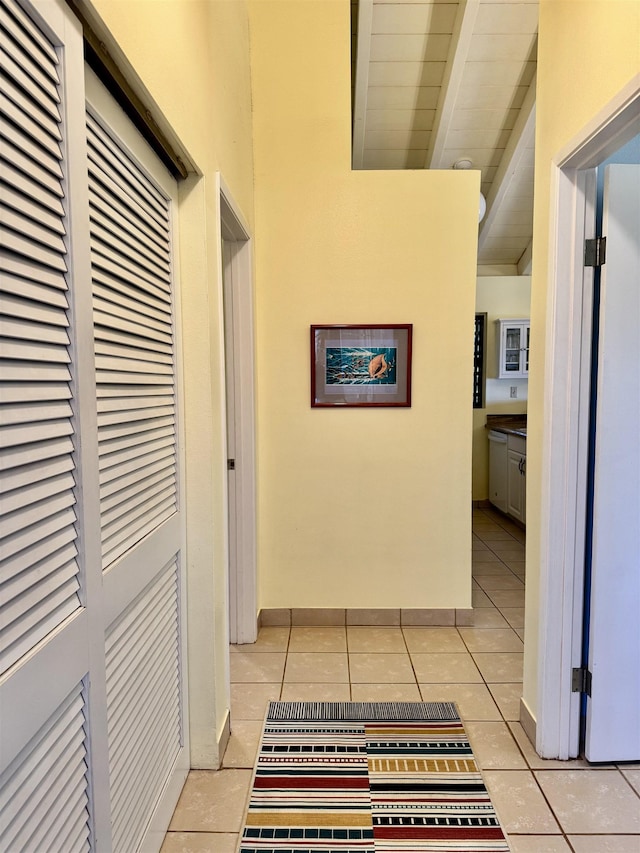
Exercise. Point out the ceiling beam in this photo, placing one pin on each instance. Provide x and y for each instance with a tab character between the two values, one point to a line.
522	137
458	52
361	87
526	258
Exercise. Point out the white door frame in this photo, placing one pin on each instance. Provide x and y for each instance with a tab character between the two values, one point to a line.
237	278
564	440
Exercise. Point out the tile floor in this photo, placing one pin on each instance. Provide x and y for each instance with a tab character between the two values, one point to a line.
544	806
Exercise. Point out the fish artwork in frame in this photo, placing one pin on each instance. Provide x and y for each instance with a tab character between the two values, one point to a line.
358	365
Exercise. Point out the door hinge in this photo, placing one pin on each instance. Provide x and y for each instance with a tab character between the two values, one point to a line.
581	680
231	464
595	252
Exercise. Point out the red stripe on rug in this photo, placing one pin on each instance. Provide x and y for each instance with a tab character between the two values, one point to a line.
466	833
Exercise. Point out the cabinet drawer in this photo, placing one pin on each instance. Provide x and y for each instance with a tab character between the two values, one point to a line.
518	444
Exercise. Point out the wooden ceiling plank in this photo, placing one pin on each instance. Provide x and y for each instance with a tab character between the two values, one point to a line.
458	51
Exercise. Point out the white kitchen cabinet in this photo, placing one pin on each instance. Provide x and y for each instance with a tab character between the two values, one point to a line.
517	477
498	494
513	349
508	473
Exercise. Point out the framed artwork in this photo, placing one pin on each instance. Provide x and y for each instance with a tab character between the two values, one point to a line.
353	365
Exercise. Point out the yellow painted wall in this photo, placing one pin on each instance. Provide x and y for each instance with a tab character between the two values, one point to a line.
500	297
193	58
588	50
357	507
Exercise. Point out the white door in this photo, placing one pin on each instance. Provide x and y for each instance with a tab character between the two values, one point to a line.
137	347
613	710
93	740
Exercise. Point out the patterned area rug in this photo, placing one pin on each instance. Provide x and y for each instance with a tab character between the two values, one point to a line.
379	777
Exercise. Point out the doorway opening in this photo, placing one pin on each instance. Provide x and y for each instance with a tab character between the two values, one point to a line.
240	385
566	428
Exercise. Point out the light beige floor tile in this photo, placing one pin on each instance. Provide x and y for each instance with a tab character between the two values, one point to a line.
270	639
508	550
507	697
243	744
478	557
499	666
494	746
326	667
605	843
491	640
484	526
385	693
314	692
473	700
538	844
200	842
506	597
374	639
591	801
491	569
212	801
514	616
249	701
489	617
304	639
497	536
632	775
443	668
480	599
247	666
517	799
381	668
433	640
510	581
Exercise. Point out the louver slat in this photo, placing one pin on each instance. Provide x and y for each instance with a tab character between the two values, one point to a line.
104	193
46	169
143	690
25	110
25	32
126	173
134	351
26	69
45	789
15	587
37	517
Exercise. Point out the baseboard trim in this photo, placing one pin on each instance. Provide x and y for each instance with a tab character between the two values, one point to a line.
223	740
338	617
528	722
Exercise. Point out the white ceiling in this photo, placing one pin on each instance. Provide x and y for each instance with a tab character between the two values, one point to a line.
438	81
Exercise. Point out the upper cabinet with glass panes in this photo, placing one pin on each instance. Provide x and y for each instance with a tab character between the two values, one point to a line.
513	349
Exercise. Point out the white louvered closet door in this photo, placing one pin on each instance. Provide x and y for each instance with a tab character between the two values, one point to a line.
93	739
49	649
131	199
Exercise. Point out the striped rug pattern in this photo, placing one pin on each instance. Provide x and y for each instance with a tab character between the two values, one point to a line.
379	777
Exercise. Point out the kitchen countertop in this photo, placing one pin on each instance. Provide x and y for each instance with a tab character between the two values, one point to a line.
509	424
